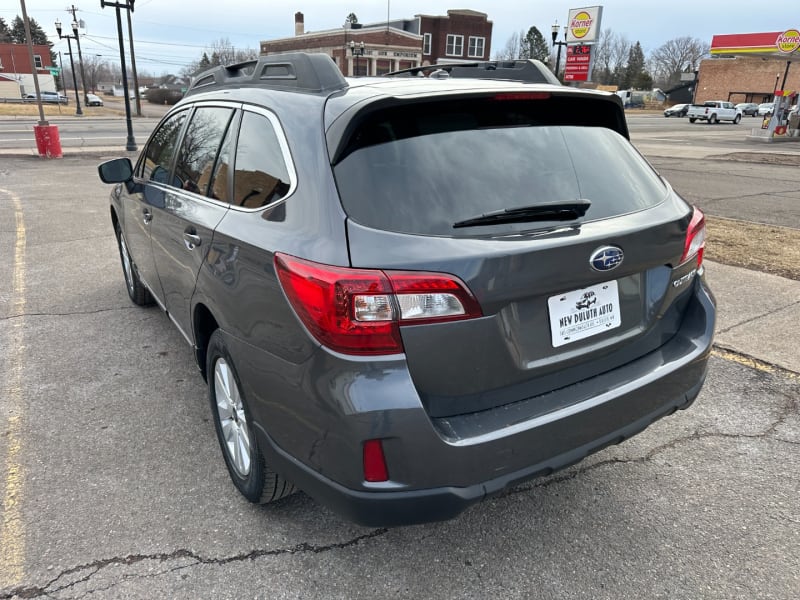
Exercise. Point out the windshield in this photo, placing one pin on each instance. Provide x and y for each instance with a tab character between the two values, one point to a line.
424	173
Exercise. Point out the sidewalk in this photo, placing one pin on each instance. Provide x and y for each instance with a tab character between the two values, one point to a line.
757	314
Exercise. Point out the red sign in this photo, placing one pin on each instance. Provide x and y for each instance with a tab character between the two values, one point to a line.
775	43
579	62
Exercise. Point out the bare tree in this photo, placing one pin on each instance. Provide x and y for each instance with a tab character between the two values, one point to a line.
611	57
220	52
512	48
677	56
96	70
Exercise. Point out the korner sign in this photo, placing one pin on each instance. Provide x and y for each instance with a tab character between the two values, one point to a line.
583	25
771	43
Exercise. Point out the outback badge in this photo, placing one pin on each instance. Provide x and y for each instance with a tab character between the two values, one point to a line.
606	258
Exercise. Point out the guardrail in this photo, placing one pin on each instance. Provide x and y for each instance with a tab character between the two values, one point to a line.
30	101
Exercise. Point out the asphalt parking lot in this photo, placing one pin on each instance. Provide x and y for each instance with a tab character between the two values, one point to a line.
113	484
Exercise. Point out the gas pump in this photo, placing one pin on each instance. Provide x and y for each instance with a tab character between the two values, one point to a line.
778	123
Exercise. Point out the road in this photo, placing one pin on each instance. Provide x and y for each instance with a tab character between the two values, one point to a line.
113	485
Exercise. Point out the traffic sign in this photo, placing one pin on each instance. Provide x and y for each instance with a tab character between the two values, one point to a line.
54	70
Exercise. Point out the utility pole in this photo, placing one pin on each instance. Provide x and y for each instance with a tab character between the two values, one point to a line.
127	5
74	10
48	142
133	66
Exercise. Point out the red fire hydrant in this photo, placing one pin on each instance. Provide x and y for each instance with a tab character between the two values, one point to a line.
48	143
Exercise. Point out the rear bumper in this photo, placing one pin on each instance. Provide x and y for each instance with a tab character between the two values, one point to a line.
408	507
482	454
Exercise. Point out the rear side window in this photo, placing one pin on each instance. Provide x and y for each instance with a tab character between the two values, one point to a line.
421	169
261	176
200	148
161	149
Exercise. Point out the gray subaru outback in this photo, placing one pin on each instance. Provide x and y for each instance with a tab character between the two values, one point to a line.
410	293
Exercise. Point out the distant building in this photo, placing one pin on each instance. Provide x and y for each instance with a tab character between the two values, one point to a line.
387	46
461	36
16	71
744	79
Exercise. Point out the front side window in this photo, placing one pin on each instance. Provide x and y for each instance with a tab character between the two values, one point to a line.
261	176
455	45
200	148
426	43
161	149
476	46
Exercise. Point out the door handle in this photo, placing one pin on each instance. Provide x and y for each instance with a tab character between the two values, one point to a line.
191	239
147	216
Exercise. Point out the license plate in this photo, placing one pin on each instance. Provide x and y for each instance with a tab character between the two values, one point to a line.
583	313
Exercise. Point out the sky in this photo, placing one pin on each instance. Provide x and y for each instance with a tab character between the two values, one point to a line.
171	34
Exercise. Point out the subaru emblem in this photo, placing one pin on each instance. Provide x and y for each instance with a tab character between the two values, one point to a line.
606	258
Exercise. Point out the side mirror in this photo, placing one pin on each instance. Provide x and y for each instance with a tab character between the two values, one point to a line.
118	170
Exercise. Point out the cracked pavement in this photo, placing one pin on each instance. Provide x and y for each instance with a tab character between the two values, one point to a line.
123	491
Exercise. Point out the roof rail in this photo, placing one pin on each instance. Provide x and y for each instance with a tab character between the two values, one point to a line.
295	71
529	71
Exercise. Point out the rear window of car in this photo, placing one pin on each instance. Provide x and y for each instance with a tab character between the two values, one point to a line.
419	170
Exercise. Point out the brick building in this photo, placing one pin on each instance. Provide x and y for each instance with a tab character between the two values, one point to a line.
16	71
744	79
461	36
379	48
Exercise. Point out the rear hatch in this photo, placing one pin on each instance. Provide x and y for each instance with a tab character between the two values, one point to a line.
563	233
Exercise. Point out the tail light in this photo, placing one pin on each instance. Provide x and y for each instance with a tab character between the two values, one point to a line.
374	462
695	238
360	311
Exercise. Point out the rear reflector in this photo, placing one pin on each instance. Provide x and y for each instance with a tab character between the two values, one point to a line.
695	243
374	462
360	311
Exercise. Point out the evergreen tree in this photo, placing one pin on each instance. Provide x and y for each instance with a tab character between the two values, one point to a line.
5	32
38	36
634	68
534	46
205	62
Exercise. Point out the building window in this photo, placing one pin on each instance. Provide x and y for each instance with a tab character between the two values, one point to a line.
426	43
455	45
37	60
476	46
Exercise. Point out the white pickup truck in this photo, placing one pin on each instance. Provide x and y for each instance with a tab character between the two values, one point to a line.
714	111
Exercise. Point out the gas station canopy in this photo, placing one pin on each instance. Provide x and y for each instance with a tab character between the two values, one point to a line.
773	44
782	122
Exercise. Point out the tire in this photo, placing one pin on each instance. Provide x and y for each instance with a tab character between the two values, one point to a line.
138	294
233	423
736	119
713	119
692	119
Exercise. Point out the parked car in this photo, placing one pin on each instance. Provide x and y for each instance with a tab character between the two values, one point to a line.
93	100
678	110
396	327
49	97
748	108
714	111
765	109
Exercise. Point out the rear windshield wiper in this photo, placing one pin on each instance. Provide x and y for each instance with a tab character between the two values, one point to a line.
547	211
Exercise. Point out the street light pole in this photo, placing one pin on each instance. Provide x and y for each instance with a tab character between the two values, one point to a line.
131	142
68	37
554	31
357	51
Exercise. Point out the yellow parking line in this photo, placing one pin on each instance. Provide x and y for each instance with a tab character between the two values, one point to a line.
12	543
753	363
